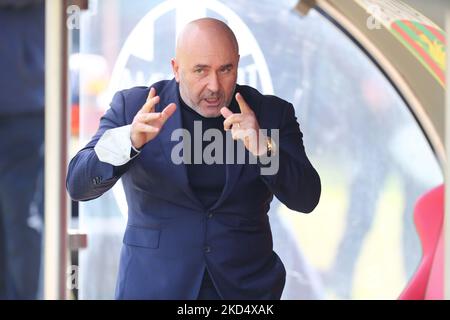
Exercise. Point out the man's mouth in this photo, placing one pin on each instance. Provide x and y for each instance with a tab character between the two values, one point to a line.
212	101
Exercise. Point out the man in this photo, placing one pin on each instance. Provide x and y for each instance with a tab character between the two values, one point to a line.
198	229
22	146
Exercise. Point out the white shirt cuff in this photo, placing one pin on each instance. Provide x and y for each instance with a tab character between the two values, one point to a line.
114	146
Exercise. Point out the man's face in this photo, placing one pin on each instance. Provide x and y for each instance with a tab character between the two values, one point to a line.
207	73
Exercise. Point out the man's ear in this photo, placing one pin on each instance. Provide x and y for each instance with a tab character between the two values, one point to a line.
175	69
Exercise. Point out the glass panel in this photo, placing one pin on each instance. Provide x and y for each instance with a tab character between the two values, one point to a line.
372	157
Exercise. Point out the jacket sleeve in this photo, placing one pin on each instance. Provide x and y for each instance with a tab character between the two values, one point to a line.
87	176
296	183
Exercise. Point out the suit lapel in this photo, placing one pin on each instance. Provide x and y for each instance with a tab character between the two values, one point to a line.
233	172
233	169
178	173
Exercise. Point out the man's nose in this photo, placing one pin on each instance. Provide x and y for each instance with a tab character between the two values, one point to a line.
213	82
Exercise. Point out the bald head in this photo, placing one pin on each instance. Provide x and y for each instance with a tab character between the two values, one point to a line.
205	29
205	65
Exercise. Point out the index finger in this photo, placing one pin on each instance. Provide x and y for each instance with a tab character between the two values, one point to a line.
151	93
152	99
245	108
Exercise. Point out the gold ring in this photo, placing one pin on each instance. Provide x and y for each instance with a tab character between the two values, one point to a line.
238	125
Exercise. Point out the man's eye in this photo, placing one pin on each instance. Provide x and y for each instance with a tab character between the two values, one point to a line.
199	71
226	70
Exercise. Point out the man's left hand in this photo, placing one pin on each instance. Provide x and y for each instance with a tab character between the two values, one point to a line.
244	126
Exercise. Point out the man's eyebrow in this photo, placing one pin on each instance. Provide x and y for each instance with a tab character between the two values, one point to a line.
201	66
225	66
204	66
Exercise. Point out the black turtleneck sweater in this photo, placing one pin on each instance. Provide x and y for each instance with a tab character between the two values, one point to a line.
206	180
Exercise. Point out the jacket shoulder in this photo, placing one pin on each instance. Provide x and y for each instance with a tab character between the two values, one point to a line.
134	98
253	95
264	104
139	91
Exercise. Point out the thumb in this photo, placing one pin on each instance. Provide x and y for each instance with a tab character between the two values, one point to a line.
226	112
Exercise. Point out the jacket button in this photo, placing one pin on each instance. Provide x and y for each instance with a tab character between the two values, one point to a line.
210	215
207	249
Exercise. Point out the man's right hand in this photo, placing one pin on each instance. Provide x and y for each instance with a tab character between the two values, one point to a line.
147	123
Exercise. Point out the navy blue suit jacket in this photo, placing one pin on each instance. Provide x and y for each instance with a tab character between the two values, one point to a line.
22	57
170	237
